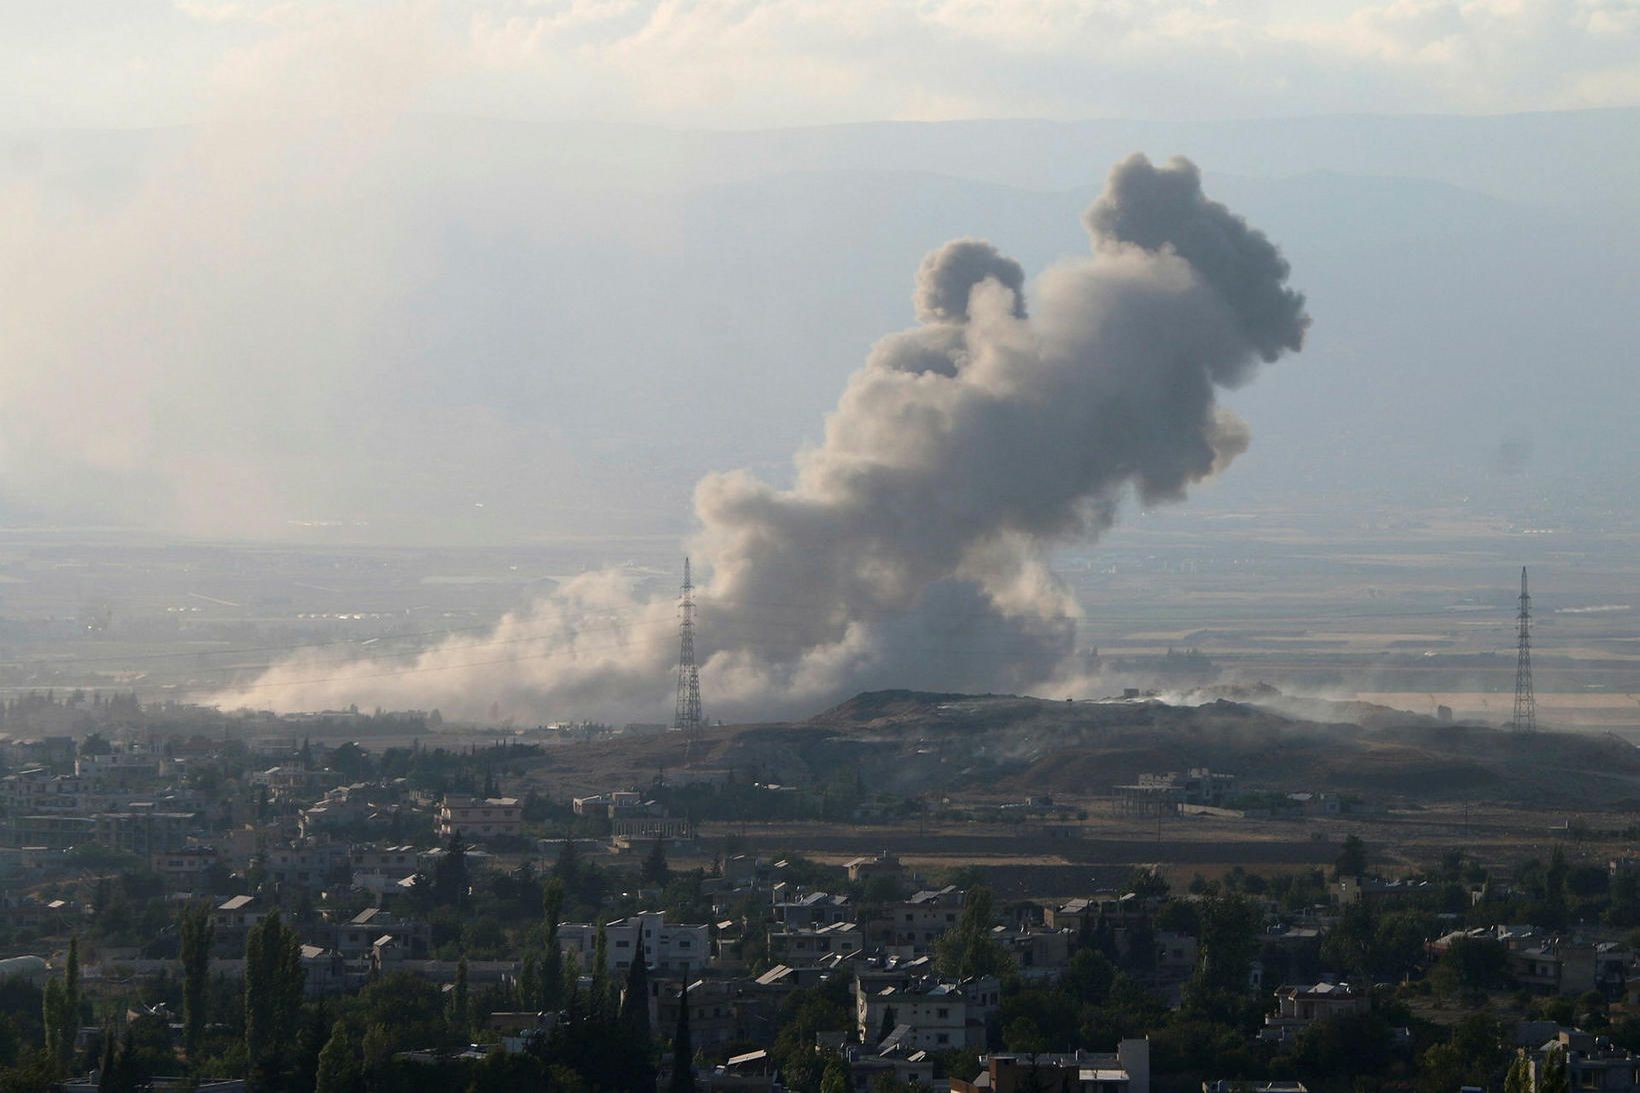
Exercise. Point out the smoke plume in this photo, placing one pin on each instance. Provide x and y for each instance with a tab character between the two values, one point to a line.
911	549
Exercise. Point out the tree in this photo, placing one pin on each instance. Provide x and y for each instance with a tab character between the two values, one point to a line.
196	931
968	949
459	1016
273	993
529	983
552	963
683	1052
1519	1078
450	880
600	972
1352	860
1554	1076
339	1069
60	1009
654	869
835	1079
58	1023
634	1013
886	1028
634	1022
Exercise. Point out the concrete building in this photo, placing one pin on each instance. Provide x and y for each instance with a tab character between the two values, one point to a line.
1593	1063
936	1014
1126	1070
678	948
480	817
1298	1007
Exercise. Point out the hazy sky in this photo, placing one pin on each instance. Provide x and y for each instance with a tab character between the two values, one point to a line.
737	63
355	279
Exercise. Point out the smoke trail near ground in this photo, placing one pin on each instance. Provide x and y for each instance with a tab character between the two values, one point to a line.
911	549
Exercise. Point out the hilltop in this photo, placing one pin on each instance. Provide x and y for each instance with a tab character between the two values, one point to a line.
911	742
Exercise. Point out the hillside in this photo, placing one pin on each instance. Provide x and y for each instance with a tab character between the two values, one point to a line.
1009	746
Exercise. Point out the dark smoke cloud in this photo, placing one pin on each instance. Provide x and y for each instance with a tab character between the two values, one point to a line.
911	549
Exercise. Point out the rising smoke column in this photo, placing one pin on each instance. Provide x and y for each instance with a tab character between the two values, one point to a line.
911	549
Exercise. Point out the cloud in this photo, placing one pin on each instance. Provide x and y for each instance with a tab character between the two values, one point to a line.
733	63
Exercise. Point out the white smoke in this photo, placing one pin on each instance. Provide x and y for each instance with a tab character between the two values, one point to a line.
911	549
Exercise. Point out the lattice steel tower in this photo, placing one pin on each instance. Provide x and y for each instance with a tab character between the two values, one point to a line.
687	717
1525	701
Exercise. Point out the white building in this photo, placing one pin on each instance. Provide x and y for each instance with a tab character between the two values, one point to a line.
681	948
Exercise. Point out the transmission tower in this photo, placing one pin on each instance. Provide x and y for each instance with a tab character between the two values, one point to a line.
1525	701
686	719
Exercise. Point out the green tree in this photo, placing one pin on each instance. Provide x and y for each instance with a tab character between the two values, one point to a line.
968	949
886	1028
552	962
1554	1076
634	1022
273	994
654	870
196	931
1519	1078
460	1015
59	1035
835	1079
339	1067
683	1050
1352	860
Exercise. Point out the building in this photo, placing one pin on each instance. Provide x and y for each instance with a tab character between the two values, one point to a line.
924	1013
185	866
911	927
1573	968
883	864
379	869
308	865
1298	1007
805	944
144	831
480	817
679	948
1592	1063
1126	1070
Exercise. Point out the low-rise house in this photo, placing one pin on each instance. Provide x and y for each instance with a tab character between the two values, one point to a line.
232	920
911	927
305	865
1126	1070
938	1014
1038	952
356	937
678	947
184	867
882	864
1298	1007
714	1016
803	945
480	817
1559	966
811	910
1592	1063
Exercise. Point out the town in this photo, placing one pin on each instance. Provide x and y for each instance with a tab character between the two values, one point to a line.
215	910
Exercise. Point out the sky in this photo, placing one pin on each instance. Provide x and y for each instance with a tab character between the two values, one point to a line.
448	270
747	64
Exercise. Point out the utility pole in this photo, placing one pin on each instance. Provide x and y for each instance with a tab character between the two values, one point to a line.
686	717
1525	719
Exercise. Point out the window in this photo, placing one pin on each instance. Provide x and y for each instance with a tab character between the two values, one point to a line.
942	1038
942	1012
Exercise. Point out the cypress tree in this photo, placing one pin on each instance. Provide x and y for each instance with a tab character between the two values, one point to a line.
552	964
197	932
683	1051
339	1070
273	993
634	1023
600	973
459	1020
